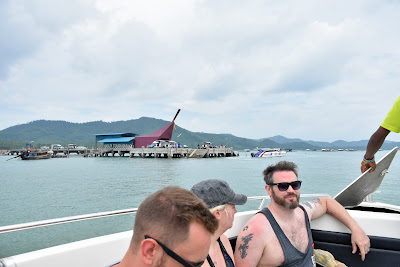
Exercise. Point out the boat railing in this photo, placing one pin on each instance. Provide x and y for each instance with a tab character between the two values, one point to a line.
24	226
84	217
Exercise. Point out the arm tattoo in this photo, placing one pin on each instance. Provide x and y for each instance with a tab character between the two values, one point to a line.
313	203
317	201
245	228
307	204
245	245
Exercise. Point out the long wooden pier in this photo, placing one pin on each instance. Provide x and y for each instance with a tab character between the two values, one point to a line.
169	152
128	151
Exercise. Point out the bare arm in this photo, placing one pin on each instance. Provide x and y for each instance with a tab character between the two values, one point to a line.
249	246
318	207
374	144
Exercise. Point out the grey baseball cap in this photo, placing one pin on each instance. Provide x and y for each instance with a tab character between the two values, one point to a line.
216	192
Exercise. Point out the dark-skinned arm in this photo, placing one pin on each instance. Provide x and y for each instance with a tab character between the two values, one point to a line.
374	144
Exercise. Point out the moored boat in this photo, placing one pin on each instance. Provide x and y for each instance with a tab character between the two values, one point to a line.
268	153
32	155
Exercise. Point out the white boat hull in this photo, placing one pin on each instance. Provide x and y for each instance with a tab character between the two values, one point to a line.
272	154
269	153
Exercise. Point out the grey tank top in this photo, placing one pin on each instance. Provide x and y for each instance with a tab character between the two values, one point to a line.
293	257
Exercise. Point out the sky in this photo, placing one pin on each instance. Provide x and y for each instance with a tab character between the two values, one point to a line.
309	69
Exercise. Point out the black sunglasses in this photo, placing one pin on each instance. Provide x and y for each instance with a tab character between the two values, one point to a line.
285	186
174	255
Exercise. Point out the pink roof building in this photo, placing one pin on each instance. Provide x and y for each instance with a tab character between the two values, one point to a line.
164	133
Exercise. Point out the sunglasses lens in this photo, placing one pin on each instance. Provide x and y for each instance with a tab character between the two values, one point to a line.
296	185
283	186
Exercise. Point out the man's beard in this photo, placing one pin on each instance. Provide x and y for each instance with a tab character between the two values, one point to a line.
281	201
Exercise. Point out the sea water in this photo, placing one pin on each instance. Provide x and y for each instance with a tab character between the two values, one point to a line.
60	187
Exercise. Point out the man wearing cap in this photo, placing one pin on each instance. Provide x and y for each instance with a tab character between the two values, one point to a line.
221	201
280	234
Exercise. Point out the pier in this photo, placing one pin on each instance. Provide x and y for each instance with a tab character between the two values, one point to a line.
154	145
129	151
168	152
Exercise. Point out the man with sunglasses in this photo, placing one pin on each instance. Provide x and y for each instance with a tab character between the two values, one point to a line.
280	234
173	227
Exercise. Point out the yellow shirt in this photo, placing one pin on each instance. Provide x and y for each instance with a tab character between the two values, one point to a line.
392	121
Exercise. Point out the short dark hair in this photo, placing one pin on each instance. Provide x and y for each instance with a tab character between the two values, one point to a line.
167	215
280	166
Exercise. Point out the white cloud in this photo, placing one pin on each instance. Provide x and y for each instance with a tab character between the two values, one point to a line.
308	69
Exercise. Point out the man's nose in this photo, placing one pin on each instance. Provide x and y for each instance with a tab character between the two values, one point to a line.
290	189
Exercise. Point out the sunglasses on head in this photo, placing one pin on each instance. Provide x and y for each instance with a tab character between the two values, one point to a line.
174	255
285	186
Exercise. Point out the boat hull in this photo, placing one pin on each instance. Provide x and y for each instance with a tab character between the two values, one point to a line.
269	154
35	156
272	154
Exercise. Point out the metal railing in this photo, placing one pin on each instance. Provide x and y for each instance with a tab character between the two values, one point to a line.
24	226
30	225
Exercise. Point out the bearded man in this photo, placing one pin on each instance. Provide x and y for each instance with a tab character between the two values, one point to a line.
280	234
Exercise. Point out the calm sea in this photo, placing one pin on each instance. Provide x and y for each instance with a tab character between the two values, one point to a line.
46	189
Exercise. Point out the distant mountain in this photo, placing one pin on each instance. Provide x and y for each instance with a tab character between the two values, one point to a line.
299	143
45	132
342	143
283	140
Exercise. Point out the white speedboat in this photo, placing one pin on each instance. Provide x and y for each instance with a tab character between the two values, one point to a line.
268	153
380	221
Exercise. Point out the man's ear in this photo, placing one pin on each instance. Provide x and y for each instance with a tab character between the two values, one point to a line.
269	189
148	250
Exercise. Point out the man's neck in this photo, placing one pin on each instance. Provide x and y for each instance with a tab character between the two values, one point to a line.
281	211
130	260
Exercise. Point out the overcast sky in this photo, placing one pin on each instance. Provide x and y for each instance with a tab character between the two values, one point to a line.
315	70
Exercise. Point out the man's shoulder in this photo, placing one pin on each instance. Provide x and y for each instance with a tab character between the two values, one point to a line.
392	120
258	226
254	234
258	219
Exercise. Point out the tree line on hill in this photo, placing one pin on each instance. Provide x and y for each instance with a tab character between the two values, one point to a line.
46	132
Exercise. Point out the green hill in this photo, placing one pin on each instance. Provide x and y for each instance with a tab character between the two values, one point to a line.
44	132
